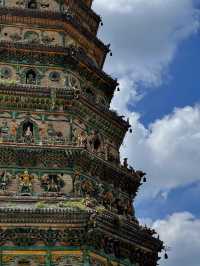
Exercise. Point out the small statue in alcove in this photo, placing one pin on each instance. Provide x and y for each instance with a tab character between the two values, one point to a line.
28	135
32	4
31	75
30	79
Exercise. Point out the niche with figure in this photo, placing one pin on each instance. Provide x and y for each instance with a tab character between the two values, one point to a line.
28	132
32	4
31	77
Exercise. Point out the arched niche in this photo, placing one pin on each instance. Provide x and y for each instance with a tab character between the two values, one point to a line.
28	132
31	77
32	4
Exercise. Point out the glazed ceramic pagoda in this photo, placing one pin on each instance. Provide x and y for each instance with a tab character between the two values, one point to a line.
65	199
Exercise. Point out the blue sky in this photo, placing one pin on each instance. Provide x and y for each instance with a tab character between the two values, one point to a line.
180	89
156	57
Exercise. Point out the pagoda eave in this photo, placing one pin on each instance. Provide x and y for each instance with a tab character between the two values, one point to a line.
67	55
42	18
66	158
130	234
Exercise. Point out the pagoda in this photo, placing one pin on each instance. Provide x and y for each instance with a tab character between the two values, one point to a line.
65	198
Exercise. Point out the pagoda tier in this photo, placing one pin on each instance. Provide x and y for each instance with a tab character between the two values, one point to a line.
76	9
65	197
113	178
57	56
60	29
105	237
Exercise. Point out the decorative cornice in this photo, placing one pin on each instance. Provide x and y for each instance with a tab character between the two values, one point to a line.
58	216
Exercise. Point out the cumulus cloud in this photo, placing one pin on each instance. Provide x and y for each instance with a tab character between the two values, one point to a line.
180	232
144	36
168	150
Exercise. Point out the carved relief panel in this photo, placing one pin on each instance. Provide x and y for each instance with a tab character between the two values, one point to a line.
32	130
56	183
7	73
56	130
99	193
68	260
52	77
29	183
45	77
43	5
20	260
31	36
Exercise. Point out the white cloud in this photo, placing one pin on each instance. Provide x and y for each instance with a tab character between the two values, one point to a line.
116	5
180	232
125	96
168	150
144	36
